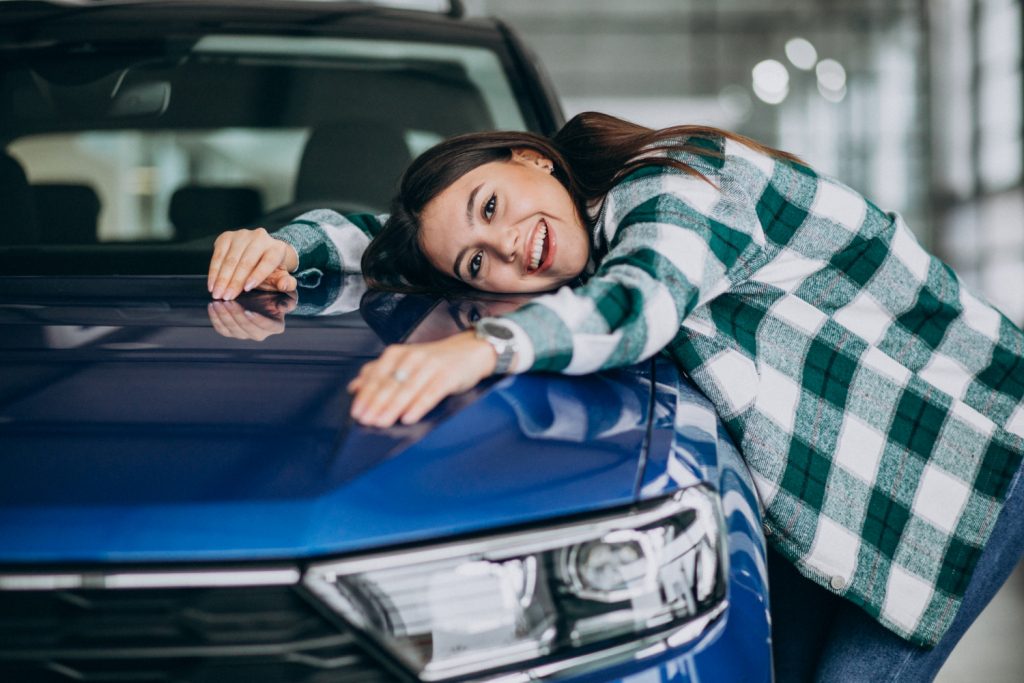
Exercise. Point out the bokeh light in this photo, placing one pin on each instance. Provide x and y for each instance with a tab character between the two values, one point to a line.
801	53
771	81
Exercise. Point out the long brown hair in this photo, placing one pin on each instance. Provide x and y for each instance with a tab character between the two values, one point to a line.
591	154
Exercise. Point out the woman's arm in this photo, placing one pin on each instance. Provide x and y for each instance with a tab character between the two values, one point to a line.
669	251
322	240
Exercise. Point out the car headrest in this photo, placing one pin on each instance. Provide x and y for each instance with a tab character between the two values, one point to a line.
199	211
357	162
18	224
67	213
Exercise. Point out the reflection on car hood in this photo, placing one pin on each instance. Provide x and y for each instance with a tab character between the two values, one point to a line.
131	431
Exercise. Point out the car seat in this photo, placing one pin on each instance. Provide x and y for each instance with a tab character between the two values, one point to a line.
356	162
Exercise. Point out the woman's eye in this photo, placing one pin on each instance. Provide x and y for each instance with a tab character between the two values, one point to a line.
489	207
474	264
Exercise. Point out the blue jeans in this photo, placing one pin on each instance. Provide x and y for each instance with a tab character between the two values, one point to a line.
818	636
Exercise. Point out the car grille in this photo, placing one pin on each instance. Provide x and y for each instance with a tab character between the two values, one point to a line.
195	635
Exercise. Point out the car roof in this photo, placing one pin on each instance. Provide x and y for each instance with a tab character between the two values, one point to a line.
40	21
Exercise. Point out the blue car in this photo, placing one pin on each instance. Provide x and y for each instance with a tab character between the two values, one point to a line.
183	496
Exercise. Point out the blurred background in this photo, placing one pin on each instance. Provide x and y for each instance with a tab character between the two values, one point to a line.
916	103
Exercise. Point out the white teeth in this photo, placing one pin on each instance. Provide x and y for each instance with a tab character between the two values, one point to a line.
538	247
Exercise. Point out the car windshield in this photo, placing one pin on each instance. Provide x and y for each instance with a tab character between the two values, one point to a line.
130	157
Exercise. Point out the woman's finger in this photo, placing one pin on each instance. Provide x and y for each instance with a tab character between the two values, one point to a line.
424	402
374	396
369	376
403	394
219	247
269	262
279	280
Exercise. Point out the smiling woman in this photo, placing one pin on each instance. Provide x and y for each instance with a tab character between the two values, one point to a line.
878	403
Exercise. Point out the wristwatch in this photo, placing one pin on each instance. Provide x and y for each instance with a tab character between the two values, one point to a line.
502	339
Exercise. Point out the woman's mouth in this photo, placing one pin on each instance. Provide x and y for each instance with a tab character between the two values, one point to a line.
540	251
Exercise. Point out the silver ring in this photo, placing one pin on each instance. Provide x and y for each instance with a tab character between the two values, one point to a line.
400	375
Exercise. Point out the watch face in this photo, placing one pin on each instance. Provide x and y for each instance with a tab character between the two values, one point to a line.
498	331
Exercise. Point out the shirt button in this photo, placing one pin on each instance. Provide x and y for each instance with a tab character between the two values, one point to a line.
838	583
767	530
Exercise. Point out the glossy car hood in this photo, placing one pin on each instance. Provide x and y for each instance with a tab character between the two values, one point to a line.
130	430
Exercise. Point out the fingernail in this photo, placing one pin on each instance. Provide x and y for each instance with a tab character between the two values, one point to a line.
248	314
249	285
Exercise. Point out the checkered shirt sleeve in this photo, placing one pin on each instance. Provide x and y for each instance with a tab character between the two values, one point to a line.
327	241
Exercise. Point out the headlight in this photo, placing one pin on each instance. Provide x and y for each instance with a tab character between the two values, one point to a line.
538	598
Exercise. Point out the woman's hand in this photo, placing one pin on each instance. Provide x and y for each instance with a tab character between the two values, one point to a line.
408	380
245	259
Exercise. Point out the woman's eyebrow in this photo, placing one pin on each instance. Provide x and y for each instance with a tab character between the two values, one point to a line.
469	204
471	221
458	259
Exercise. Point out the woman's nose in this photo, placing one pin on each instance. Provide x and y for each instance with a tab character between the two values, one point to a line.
508	244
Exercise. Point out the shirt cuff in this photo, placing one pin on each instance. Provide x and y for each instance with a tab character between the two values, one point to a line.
310	244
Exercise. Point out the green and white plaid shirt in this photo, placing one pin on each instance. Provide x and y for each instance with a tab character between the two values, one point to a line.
877	402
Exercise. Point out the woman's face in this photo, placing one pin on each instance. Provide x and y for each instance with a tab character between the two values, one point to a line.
506	226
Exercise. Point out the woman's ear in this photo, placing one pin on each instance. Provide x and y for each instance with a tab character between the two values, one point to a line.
531	157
